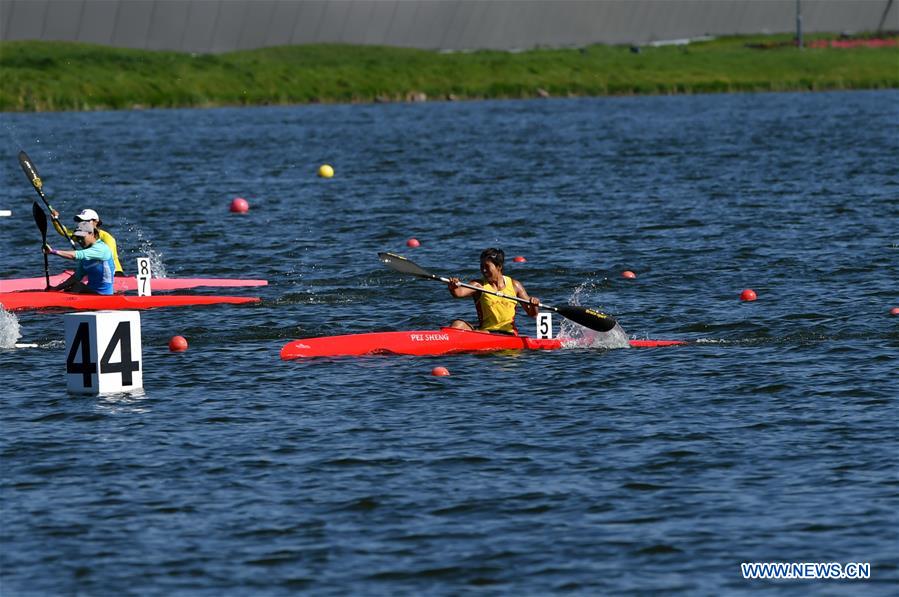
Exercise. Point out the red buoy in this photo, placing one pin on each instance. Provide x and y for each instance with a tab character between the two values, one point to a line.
628	274
894	311
177	344
519	259
239	205
440	371
748	295
412	242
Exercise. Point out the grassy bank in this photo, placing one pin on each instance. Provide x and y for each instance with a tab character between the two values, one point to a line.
46	76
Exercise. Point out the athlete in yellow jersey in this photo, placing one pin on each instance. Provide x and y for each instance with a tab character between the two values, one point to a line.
495	314
89	215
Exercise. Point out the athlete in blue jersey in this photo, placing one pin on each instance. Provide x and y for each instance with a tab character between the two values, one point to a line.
95	261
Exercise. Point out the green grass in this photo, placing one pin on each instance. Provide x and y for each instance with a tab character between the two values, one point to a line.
47	76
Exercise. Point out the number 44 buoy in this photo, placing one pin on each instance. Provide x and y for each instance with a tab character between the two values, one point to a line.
103	352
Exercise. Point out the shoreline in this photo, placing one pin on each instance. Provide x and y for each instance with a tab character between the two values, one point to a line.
362	102
62	76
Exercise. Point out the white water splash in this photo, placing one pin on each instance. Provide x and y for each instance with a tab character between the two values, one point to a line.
584	288
156	263
9	329
157	266
576	336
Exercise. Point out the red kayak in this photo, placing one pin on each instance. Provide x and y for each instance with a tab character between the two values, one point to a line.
428	342
26	301
125	283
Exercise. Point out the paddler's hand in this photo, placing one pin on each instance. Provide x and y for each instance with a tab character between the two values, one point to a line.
457	290
47	249
54	213
534	307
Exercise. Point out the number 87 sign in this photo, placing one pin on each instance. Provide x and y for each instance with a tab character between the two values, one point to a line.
103	352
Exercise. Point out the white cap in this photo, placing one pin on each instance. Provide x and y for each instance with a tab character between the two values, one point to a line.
87	214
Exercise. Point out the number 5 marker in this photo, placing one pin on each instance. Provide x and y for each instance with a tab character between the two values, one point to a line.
544	325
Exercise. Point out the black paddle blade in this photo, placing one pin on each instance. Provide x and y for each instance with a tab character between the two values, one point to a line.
589	318
30	171
40	218
404	266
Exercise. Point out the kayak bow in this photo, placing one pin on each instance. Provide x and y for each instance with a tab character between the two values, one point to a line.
428	342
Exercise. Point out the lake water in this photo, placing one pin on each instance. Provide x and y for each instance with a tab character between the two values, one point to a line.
772	438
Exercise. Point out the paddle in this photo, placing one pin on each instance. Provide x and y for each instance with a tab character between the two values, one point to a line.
589	318
31	172
40	218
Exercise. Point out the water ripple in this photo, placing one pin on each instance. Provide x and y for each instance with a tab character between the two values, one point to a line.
767	438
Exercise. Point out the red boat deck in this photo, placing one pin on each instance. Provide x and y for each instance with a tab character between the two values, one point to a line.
24	301
126	283
428	342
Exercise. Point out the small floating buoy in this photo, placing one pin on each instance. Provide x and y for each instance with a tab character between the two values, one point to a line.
239	205
325	171
748	295
178	344
894	311
628	274
413	242
519	259
440	371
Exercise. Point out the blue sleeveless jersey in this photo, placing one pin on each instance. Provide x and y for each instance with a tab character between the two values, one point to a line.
97	264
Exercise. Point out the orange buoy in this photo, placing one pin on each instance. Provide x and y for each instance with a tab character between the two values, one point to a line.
178	344
894	311
748	295
413	242
519	259
440	371
628	274
239	205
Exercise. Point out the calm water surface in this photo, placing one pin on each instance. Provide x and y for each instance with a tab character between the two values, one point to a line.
773	438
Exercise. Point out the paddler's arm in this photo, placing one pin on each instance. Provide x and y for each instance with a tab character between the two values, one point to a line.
521	293
62	230
51	251
92	252
460	291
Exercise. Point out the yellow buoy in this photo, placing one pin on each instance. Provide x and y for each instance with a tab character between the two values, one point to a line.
325	171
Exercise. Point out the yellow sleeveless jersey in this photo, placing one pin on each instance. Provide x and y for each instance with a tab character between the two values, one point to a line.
497	314
106	237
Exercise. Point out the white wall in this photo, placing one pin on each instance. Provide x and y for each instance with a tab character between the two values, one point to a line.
225	25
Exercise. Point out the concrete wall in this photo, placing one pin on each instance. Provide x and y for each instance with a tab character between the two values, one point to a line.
225	25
